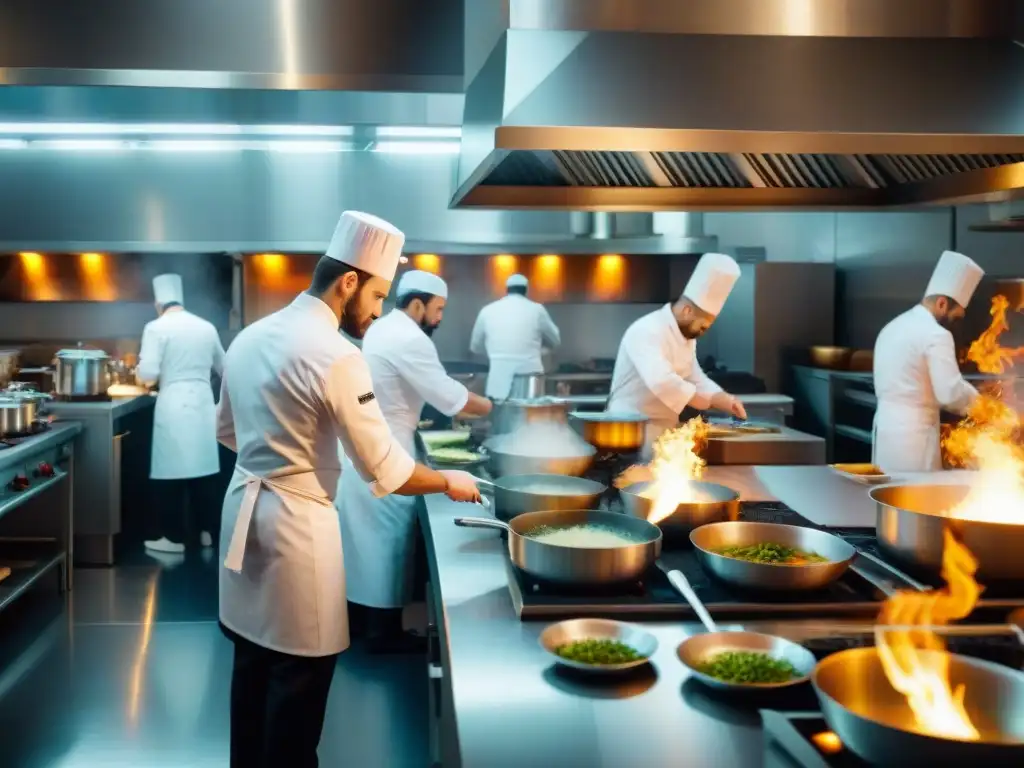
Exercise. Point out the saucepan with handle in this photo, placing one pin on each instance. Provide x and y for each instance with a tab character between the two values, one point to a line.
634	547
518	494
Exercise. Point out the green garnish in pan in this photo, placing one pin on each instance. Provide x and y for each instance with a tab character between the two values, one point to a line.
748	667
774	554
598	652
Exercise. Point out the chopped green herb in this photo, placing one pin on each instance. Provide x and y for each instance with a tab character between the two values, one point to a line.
774	554
748	667
598	652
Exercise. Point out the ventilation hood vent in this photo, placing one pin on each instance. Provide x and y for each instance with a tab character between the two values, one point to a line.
743	104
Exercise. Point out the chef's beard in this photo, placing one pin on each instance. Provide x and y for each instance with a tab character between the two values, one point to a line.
351	323
428	328
691	331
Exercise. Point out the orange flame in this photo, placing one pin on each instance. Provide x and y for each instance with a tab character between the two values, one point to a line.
671	473
985	351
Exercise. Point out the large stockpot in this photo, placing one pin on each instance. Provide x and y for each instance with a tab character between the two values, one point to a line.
577	566
509	415
9	364
718	504
528	385
517	494
611	432
17	415
81	372
875	722
909	525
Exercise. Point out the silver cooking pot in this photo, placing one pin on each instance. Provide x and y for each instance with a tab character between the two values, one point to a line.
528	385
81	372
17	415
9	364
511	414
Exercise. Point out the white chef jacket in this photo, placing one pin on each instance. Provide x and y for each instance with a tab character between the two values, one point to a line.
915	374
512	331
179	350
293	387
657	373
379	535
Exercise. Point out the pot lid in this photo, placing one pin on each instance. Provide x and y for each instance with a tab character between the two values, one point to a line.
82	354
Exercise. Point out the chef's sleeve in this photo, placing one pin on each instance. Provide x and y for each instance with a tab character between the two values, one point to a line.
151	354
654	370
365	437
548	330
422	369
218	355
225	418
479	336
705	386
948	384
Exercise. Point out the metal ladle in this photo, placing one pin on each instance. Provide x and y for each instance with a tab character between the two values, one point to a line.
695	651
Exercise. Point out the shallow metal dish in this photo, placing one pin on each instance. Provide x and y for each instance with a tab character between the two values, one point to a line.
861	473
698	649
875	722
770	576
512	494
572	630
500	464
723	504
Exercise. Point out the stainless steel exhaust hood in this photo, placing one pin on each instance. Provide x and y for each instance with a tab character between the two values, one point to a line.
603	105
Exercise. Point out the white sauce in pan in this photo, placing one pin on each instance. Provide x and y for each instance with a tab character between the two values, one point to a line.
583	537
547	488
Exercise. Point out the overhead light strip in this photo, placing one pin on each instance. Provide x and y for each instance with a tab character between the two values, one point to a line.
113	130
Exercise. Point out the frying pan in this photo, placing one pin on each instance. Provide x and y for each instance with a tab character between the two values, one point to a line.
875	722
577	566
751	575
720	504
517	494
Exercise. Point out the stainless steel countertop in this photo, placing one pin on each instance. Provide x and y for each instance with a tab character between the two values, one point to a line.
57	434
513	709
116	408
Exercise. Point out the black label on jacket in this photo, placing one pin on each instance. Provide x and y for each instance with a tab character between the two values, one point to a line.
364	399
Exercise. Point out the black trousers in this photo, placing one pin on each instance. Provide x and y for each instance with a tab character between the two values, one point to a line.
188	506
278	703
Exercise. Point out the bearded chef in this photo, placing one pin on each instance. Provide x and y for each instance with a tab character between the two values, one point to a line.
179	350
916	372
293	387
379	534
513	332
656	370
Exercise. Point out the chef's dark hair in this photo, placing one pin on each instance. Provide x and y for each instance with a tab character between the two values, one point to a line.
408	298
949	299
170	304
328	270
519	290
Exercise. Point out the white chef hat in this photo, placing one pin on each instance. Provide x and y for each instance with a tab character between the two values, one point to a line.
167	288
955	276
419	281
517	281
368	243
711	282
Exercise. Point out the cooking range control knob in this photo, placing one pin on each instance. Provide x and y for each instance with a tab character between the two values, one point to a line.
44	470
19	483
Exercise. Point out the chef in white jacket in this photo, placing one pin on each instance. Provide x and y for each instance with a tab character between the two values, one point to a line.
512	332
179	351
656	369
916	373
293	387
379	534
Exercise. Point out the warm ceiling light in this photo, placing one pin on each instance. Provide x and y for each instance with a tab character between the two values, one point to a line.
608	280
271	266
547	282
32	262
427	262
92	262
40	286
501	267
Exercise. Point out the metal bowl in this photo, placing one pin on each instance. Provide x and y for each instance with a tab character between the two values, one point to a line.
721	503
572	630
699	649
771	576
875	722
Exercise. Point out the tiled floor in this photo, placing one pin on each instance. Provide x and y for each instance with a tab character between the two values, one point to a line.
136	673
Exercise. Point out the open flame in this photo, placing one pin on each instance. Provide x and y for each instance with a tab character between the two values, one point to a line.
673	470
985	350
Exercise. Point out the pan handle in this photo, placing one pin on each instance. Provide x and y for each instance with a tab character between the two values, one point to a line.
481	522
484	485
680	582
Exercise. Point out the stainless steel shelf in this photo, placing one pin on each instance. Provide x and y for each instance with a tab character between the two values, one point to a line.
32	562
11	500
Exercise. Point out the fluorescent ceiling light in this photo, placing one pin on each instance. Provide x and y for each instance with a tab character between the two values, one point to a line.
418	132
418	147
190	145
104	145
214	129
13	143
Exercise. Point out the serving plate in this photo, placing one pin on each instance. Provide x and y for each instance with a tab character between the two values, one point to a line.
864	474
573	630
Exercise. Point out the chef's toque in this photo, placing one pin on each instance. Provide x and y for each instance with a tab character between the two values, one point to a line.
368	243
711	282
517	281
418	281
956	276
168	289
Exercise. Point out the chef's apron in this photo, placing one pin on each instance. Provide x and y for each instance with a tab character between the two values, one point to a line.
378	536
502	368
905	438
184	431
283	581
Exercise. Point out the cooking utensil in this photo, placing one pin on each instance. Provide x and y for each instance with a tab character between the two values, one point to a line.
528	385
611	432
513	495
875	722
717	504
573	630
737	427
577	566
81	372
17	415
501	463
696	650
835	358
751	575
909	526
509	415
865	474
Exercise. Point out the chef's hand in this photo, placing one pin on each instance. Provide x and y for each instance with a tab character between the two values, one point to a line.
461	486
723	401
738	410
700	402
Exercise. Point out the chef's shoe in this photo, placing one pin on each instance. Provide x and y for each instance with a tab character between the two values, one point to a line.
206	539
164	544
